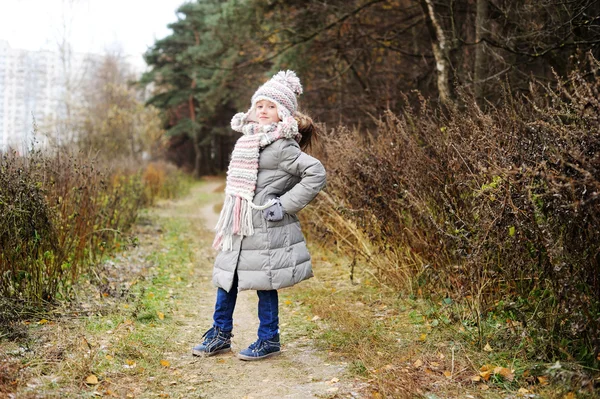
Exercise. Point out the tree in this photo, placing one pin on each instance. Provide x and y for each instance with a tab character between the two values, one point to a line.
189	67
356	58
115	123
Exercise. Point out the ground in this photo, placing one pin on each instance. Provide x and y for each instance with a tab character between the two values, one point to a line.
133	337
129	329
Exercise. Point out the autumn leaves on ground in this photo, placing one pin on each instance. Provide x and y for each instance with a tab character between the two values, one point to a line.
131	335
128	334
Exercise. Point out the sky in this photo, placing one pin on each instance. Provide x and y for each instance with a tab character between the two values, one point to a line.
93	26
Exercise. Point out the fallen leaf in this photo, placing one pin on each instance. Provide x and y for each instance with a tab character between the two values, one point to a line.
165	363
487	348
288	302
485	375
129	362
418	363
43	321
448	374
505	373
523	390
570	395
542	380
476	378
160	315
423	337
108	357
91	379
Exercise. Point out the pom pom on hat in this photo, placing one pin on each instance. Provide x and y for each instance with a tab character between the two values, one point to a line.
290	79
238	121
281	89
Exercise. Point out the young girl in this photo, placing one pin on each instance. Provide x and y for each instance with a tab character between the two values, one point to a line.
258	234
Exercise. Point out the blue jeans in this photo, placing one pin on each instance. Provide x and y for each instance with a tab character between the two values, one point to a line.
268	311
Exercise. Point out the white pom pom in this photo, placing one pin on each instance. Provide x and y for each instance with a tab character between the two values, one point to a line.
238	121
290	79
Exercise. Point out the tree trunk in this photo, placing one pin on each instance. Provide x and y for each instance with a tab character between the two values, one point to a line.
198	155
480	32
441	51
195	134
207	161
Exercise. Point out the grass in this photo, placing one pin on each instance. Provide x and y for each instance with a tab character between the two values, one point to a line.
407	346
122	329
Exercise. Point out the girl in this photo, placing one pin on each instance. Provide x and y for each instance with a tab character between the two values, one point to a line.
258	234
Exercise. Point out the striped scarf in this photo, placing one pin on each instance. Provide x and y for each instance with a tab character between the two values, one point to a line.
236	215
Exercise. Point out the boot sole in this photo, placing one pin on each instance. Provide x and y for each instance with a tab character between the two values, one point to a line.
209	354
251	358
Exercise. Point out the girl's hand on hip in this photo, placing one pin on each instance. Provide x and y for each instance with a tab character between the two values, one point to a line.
275	212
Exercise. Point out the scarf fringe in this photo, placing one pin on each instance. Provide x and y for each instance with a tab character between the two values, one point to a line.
236	218
236	215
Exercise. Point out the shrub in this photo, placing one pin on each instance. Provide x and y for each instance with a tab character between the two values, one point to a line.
501	206
59	214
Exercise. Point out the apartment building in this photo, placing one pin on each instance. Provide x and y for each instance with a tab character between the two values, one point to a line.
37	92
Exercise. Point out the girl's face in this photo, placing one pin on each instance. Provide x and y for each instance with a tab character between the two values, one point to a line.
266	112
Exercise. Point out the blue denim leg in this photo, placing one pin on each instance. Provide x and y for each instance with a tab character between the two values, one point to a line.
223	316
268	314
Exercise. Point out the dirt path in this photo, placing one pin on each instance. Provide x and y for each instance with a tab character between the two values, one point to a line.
299	372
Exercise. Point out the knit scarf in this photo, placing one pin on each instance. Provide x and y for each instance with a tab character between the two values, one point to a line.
242	173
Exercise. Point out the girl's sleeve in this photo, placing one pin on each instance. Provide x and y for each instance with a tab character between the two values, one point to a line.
311	173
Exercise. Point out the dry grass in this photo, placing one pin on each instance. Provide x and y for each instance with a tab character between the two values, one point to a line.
409	348
61	213
116	329
496	209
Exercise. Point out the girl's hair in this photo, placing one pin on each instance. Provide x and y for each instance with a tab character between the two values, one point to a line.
307	128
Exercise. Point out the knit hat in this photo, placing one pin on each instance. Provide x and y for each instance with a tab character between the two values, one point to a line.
282	89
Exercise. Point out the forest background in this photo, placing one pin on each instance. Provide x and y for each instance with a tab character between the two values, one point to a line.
460	137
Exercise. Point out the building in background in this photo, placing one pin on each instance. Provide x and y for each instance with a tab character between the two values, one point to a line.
39	91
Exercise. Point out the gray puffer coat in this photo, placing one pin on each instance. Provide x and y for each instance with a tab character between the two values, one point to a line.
276	255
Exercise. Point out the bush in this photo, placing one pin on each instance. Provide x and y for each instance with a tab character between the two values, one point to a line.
501	206
60	214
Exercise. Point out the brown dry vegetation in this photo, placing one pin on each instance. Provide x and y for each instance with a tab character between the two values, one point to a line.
60	214
493	213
